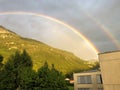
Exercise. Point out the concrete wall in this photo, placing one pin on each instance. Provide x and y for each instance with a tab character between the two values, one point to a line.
110	69
93	85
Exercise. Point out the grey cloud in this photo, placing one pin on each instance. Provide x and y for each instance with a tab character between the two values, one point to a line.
49	32
74	13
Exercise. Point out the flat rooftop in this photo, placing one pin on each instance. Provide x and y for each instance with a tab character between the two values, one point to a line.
109	52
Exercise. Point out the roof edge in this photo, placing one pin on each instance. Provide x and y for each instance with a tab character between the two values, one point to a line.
109	52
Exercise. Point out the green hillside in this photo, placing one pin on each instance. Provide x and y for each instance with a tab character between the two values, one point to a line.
39	52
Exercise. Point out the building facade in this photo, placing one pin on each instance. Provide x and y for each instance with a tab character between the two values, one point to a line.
88	81
110	70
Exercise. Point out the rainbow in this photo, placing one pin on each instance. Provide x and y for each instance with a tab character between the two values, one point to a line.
87	41
103	28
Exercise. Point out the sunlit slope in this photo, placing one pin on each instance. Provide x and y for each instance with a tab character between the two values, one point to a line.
39	52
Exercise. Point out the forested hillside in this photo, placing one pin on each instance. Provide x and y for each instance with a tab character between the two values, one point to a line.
64	61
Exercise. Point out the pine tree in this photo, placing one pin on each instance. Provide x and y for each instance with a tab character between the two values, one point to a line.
14	72
51	79
7	78
26	60
17	74
28	79
43	74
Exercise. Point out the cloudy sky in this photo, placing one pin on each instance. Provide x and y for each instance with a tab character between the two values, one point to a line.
83	27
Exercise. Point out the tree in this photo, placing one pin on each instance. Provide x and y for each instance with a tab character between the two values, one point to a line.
26	60
17	74
1	59
28	79
96	66
51	79
7	78
14	71
27	76
43	74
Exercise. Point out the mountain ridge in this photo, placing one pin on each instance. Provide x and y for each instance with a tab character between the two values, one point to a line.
39	52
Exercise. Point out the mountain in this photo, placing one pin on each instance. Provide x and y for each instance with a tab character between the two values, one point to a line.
64	61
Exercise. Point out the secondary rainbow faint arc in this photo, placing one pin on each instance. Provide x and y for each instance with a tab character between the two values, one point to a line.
103	28
87	41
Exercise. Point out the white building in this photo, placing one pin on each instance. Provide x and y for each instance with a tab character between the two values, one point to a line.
110	70
88	81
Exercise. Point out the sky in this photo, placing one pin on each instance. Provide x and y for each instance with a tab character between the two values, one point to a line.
84	27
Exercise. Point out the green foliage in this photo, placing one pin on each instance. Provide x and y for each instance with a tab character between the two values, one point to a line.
28	79
51	79
1	59
96	66
7	77
18	74
39	52
71	88
26	60
12	73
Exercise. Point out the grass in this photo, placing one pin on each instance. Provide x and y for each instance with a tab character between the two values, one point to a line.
71	87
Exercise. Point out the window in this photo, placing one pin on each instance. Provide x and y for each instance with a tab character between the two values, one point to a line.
84	89
84	79
99	79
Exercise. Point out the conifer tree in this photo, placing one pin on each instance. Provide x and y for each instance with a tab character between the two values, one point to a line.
26	60
51	79
7	78
1	59
17	74
15	70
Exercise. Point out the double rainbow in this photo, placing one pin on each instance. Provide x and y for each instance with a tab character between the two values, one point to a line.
87	41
